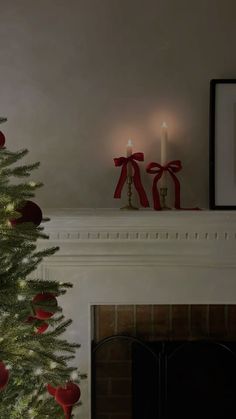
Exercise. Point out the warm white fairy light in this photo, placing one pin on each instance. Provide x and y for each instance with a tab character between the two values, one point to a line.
21	297
25	260
22	283
32	413
16	316
31	352
53	365
10	207
38	371
74	375
1	339
32	184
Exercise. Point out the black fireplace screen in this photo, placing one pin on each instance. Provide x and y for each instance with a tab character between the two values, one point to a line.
187	379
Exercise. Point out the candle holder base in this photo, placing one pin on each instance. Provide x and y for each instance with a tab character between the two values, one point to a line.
129	206
163	195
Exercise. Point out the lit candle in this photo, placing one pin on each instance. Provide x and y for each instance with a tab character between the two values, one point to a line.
164	142
129	152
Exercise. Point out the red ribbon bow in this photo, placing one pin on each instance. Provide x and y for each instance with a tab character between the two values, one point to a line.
123	161
172	167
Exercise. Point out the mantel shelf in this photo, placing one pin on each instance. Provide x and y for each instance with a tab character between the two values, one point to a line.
107	224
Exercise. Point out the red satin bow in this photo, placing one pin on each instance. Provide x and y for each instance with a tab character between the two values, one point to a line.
123	161
172	167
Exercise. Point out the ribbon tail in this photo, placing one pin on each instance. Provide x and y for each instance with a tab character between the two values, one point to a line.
139	187
121	181
177	189
155	194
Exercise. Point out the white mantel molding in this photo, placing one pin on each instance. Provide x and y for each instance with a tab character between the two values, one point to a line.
143	257
110	224
104	237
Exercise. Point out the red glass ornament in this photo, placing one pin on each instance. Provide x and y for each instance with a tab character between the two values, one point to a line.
67	410
44	297
30	213
68	395
30	319
2	139
4	376
42	328
52	390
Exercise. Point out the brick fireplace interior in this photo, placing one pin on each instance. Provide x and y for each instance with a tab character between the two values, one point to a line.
112	366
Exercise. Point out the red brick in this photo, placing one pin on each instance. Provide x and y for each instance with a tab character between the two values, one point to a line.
103	353
199	322
122	416
180	322
160	322
121	387
144	321
102	387
232	321
125	320
114	404
217	321
120	350
106	322
113	369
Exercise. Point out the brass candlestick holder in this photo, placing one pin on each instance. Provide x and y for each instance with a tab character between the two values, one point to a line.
163	195
129	206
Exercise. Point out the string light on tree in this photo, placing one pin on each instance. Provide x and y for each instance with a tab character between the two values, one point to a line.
21	297
22	283
53	365
38	371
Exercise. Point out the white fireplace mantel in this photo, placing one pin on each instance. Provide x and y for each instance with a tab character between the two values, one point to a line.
140	257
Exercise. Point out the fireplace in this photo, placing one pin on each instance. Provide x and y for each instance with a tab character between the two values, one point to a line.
160	361
170	259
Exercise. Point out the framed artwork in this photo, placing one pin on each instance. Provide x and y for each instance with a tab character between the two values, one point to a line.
223	144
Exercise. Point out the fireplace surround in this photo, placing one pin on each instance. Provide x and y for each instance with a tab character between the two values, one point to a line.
142	258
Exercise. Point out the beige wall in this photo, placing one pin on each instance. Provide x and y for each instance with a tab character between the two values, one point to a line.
79	77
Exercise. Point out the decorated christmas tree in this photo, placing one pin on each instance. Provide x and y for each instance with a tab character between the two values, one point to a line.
36	376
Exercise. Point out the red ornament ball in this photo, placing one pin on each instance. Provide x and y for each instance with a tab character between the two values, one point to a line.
42	328
30	319
52	390
30	213
4	376
46	297
2	139
68	395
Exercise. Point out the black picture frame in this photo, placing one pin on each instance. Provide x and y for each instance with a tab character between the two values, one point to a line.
221	144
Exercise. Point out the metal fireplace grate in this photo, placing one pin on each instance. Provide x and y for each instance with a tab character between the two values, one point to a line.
178	379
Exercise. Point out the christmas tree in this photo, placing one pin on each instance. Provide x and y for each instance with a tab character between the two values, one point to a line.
36	376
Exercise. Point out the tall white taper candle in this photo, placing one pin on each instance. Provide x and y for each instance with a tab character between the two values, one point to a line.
164	145
129	152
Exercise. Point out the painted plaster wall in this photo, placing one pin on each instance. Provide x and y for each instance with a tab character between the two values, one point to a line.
79	77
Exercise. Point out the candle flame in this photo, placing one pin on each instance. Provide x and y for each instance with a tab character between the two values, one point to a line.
164	125
129	144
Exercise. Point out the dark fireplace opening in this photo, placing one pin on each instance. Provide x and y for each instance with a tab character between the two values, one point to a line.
164	362
184	380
